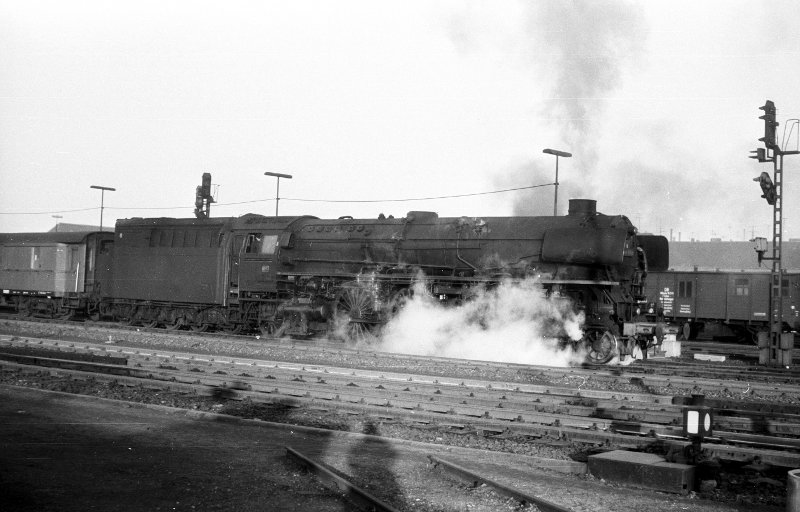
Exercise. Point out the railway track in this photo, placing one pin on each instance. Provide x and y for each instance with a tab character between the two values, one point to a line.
545	413
647	373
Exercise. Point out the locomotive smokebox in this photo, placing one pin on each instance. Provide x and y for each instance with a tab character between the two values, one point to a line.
582	207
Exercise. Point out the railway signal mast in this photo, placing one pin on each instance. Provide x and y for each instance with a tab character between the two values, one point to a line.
203	198
776	347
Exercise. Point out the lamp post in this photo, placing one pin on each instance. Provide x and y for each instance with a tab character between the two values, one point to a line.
57	217
278	186
102	199
557	153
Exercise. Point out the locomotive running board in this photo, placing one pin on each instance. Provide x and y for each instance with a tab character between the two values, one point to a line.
579	281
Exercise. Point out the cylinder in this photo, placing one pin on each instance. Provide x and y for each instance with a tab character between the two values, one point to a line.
793	491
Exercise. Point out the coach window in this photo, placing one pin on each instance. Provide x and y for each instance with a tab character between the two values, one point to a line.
90	259
742	287
35	258
72	262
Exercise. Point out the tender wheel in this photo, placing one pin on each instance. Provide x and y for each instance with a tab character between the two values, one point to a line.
232	328
601	345
199	327
175	324
65	314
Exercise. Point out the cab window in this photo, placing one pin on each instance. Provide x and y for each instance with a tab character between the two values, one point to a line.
259	243
268	244
253	243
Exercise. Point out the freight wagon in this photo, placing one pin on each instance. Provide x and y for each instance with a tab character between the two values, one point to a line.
721	304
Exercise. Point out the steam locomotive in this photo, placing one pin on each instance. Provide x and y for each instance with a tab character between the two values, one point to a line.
300	275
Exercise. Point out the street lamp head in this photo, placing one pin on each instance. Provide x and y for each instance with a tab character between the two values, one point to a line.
278	175
277	186
557	152
98	187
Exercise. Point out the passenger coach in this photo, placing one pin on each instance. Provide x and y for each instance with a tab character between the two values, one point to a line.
54	274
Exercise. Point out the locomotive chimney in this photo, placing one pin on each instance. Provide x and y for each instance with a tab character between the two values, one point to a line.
582	207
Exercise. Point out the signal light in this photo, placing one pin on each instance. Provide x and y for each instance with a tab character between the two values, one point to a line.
767	187
206	186
769	124
697	422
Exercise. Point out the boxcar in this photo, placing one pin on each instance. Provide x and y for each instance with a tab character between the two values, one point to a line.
54	274
721	303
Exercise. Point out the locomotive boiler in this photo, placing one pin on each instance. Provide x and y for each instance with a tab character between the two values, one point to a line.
364	269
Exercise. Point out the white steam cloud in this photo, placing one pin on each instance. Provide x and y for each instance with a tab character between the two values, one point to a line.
513	322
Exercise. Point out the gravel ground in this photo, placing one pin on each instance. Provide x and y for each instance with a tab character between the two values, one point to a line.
754	489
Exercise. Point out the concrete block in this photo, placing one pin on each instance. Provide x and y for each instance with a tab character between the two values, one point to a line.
763	355
645	470
671	347
710	357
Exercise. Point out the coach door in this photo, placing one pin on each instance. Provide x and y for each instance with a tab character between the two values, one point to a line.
739	297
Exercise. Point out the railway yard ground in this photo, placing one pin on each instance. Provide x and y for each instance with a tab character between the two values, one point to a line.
210	428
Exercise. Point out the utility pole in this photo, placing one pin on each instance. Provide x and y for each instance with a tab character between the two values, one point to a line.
775	347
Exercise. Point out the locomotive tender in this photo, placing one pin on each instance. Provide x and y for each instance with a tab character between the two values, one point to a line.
301	276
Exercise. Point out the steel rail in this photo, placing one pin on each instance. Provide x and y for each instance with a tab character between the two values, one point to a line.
361	498
475	479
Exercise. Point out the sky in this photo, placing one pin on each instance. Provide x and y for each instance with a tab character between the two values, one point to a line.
374	106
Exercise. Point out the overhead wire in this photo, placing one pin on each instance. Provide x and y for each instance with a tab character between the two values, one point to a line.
305	200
